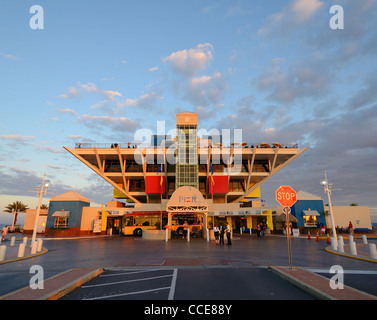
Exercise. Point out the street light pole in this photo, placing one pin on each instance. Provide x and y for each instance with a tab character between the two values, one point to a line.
327	188
40	191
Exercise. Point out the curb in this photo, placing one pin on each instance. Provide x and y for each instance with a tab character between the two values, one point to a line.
348	255
57	294
27	293
43	251
350	293
303	286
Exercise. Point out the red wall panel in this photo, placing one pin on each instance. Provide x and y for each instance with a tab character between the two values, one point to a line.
152	184
221	184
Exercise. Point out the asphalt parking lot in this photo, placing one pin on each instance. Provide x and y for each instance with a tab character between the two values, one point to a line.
188	284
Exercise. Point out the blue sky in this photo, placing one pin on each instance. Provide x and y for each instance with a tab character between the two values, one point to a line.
100	70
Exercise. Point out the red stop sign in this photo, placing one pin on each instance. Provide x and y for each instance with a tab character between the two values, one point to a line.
286	196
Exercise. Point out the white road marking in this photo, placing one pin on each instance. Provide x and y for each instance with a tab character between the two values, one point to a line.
172	286
130	272
125	281
126	294
344	271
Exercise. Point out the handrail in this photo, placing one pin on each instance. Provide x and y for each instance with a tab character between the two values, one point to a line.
79	145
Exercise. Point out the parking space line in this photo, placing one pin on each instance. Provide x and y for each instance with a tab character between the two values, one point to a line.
126	294
130	272
125	281
172	286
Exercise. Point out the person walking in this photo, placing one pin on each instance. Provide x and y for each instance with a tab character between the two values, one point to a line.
262	229
258	230
216	232
350	228
185	227
4	232
228	231
221	230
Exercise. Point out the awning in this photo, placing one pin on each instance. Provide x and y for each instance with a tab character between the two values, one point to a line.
63	214
310	213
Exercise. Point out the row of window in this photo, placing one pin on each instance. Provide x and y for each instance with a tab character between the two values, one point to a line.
114	166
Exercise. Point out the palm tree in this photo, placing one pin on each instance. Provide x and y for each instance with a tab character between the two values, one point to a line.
15	208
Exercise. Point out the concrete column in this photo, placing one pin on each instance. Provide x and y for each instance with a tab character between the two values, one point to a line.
353	248
12	241
334	244
3	249
21	250
39	247
340	244
25	241
365	241
373	251
34	245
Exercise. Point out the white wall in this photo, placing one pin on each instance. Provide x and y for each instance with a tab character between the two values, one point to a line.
358	215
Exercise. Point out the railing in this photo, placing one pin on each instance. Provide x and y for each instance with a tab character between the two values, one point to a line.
80	145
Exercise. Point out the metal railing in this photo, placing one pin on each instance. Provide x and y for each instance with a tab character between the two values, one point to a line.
127	145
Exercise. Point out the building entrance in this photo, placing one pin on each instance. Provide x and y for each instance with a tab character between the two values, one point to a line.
114	225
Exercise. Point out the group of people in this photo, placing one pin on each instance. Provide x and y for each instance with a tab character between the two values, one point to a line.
261	230
219	232
343	230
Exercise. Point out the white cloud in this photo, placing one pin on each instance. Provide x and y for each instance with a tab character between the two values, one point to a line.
67	111
305	9
72	93
290	17
153	69
16	137
8	56
146	101
190	62
115	123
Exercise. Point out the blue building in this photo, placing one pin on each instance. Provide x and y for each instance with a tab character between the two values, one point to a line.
309	211
64	214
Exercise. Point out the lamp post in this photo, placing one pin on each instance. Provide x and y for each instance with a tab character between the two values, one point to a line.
40	190
327	188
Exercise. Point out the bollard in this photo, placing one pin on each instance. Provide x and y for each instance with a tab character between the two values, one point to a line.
365	241
334	244
21	250
351	238
166	234
353	248
25	241
12	241
3	249
341	244
188	234
39	247
373	251
240	230
207	234
34	247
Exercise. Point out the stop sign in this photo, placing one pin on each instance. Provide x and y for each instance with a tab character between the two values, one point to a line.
286	196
